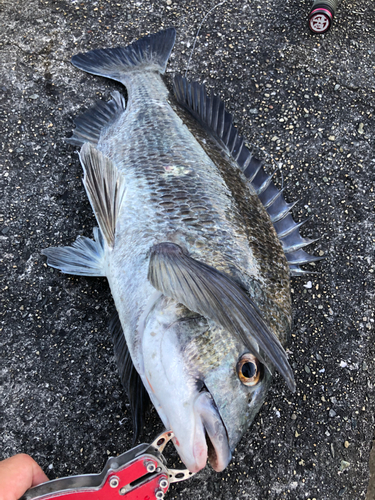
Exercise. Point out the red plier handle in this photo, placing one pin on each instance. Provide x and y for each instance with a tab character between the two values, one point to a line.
139	474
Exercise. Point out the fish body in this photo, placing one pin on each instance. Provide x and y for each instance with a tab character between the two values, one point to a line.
189	240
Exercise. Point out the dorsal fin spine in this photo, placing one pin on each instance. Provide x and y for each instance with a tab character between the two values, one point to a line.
295	242
286	232
221	120
281	215
272	200
211	113
190	99
215	112
252	175
265	184
233	141
301	257
239	148
197	97
203	102
229	128
246	163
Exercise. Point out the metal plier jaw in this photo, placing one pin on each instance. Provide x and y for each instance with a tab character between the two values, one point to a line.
139	474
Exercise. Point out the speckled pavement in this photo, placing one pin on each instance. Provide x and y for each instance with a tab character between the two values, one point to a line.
306	104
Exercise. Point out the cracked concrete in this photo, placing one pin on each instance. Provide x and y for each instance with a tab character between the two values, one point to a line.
306	104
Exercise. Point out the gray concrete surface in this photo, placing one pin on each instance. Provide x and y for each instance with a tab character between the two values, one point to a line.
306	102
371	487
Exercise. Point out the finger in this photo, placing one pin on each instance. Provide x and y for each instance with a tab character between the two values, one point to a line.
18	474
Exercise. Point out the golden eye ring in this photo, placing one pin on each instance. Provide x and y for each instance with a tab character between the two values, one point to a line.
248	370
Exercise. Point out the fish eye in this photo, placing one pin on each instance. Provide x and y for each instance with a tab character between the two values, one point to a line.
248	370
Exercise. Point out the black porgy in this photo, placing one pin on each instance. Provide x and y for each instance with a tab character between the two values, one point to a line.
197	244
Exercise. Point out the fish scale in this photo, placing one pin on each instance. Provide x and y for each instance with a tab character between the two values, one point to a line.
263	268
195	175
197	244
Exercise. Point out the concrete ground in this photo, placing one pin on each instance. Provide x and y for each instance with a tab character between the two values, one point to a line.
306	104
371	487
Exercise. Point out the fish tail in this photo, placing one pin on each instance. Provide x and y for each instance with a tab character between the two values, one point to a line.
150	53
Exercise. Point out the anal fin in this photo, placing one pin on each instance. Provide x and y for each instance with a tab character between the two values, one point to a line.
105	188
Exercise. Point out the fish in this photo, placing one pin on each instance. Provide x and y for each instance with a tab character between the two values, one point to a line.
197	244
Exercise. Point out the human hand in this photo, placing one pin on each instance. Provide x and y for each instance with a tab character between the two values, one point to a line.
18	474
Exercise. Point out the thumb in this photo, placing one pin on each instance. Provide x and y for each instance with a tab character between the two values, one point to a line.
18	474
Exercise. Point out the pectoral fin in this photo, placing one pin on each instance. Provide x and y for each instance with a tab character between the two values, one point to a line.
211	293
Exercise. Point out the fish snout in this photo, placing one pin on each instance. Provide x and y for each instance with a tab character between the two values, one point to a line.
206	439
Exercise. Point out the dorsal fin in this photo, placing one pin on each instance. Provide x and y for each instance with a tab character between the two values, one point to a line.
214	295
90	124
211	113
131	381
105	188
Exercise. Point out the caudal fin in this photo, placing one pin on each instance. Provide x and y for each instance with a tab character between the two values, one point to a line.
150	53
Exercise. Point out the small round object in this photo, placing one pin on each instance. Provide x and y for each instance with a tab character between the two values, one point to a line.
159	494
322	14
320	20
114	482
163	483
150	466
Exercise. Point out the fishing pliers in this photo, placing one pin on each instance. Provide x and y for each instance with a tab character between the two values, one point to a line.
139	474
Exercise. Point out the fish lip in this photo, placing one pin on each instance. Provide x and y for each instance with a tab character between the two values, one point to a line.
212	456
216	434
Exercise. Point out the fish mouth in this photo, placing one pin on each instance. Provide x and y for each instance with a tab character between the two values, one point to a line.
212	455
216	449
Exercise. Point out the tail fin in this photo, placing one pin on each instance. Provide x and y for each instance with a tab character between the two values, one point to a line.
150	53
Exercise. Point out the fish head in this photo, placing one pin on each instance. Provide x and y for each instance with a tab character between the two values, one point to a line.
205	385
